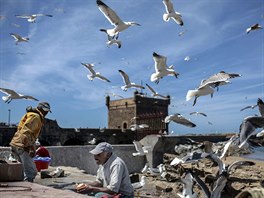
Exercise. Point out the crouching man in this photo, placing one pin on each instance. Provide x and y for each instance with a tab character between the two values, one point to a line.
112	178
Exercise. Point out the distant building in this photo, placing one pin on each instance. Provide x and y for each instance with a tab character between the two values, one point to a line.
138	110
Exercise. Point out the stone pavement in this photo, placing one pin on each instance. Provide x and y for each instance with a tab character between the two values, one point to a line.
47	187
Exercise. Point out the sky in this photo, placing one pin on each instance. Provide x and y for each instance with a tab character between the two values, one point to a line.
49	67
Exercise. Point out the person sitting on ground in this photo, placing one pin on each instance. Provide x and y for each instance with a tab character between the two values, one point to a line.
112	175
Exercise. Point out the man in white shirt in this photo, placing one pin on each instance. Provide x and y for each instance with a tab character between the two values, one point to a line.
112	175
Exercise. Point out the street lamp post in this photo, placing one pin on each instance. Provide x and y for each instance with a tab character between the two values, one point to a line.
9	113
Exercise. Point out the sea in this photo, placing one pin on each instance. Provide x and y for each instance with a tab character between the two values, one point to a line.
257	154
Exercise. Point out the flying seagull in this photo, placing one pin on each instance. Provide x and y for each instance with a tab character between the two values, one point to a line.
171	14
218	79
248	127
127	82
189	158
161	68
135	127
253	28
141	150
178	118
19	38
200	91
112	40
93	73
198	113
32	18
114	19
187	182
11	94
260	104
249	107
154	93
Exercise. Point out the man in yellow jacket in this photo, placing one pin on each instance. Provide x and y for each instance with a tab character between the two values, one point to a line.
23	142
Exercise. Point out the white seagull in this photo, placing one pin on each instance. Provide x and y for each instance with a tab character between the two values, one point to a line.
249	107
32	18
112	40
140	184
260	104
253	28
218	79
187	182
189	158
11	94
19	38
141	150
178	118
198	113
248	127
127	82
161	68
135	127
114	19
176	16
93	73
200	91
154	93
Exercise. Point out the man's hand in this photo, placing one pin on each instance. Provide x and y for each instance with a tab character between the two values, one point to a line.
82	187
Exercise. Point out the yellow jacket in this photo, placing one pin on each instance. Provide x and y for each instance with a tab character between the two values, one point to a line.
28	130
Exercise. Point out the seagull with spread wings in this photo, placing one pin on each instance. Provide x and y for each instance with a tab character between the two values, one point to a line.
253	28
161	68
114	19
198	113
111	40
93	73
127	82
32	18
11	94
219	79
178	118
141	150
19	38
249	107
260	104
154	93
171	14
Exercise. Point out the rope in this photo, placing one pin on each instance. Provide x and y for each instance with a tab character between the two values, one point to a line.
4	188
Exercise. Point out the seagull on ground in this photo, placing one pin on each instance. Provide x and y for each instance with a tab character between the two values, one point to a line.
161	68
139	184
11	94
187	182
127	82
141	150
189	158
19	38
112	40
32	18
200	91
171	14
198	113
93	73
135	127
114	19
178	118
253	28
154	93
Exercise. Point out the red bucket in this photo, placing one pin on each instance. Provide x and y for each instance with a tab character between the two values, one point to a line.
41	165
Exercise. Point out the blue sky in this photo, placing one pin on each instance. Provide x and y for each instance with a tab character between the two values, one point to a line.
49	68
